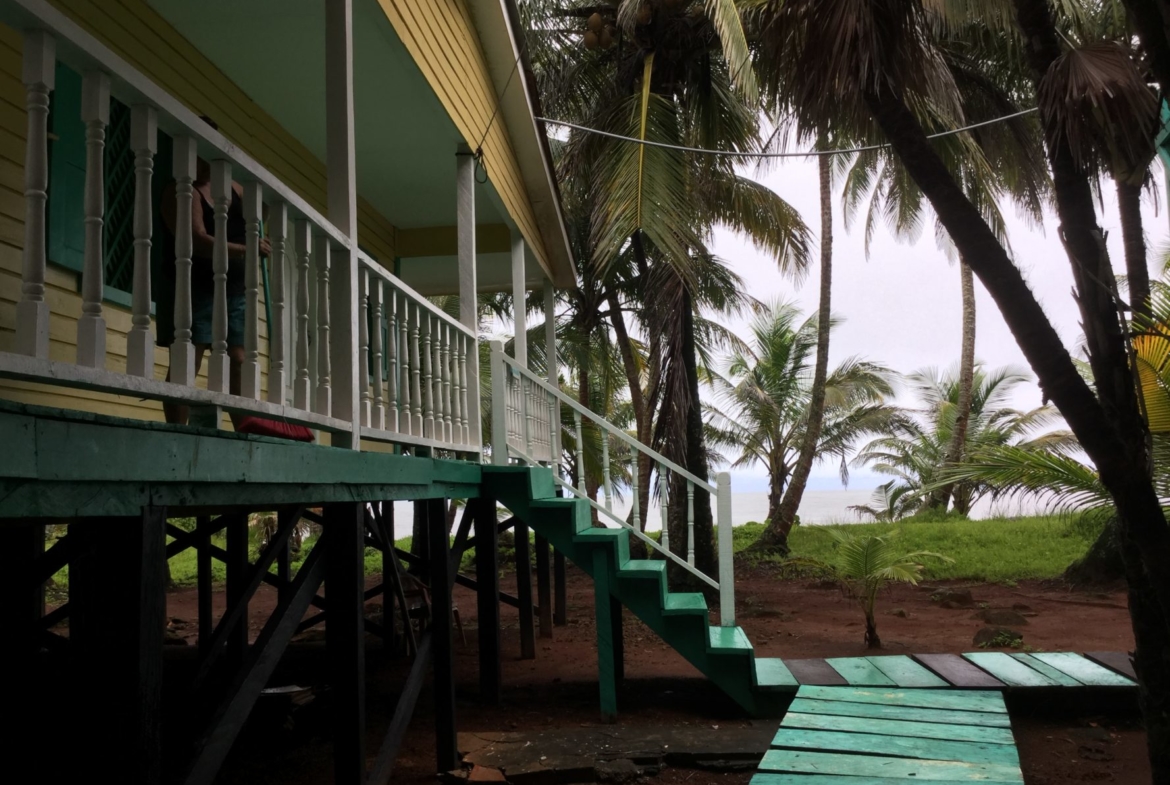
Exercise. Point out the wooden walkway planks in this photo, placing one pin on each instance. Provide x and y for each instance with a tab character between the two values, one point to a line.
1116	661
958	672
1010	671
860	672
815	671
1086	672
852	735
905	672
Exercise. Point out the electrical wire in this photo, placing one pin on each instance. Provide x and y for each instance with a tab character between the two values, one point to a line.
808	154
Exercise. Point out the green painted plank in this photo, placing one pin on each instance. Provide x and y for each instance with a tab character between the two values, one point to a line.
1010	671
905	672
859	672
681	603
1085	671
729	638
907	713
974	700
772	672
772	778
922	730
904	769
901	746
1063	679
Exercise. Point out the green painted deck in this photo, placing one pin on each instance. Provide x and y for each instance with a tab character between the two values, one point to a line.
860	736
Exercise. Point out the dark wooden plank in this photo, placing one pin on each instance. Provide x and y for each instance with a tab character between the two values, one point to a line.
618	636
606	666
899	746
1009	670
1116	661
487	599
815	671
544	586
921	730
524	591
867	766
958	672
905	672
235	587
383	766
560	592
860	672
776	778
1085	671
345	636
923	699
907	713
203	581
443	644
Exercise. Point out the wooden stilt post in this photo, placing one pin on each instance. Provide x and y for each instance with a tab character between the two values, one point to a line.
345	639
560	593
606	661
618	636
544	587
24	596
442	653
236	577
487	577
203	581
524	591
117	598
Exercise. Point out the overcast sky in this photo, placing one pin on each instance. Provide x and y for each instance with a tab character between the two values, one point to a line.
901	306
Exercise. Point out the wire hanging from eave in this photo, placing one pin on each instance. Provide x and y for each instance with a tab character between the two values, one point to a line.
807	154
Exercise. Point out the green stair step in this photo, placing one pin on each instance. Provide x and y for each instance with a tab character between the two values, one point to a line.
685	603
772	672
730	639
568	510
614	538
643	568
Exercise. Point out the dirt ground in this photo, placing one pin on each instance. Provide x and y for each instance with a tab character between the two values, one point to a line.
783	618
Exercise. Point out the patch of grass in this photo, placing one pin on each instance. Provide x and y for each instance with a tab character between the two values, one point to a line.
996	550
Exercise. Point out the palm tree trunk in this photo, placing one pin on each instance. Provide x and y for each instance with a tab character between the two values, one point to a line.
775	538
584	394
1129	205
643	416
940	499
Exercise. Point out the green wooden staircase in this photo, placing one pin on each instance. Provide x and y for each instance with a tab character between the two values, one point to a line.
762	686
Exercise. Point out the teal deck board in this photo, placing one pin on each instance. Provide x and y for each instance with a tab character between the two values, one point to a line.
905	713
860	672
905	769
772	672
905	672
774	778
920	730
1010	671
730	638
1040	666
684	602
974	700
901	746
1085	671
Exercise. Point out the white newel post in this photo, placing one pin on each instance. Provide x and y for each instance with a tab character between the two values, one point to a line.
183	350
726	546
468	288
250	373
218	369
91	326
277	347
519	311
144	143
324	392
499	405
32	312
302	245
341	167
554	379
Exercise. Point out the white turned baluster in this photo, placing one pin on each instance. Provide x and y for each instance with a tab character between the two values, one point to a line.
32	312
663	481
470	385
321	250
637	504
448	381
416	400
605	470
277	232
580	452
690	523
523	394
405	383
378	415
250	373
427	376
457	373
392	396
218	373
437	371
303	244
91	326
144	143
364	344
183	350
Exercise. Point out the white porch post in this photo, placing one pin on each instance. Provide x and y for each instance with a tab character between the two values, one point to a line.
342	199
519	313
32	312
468	289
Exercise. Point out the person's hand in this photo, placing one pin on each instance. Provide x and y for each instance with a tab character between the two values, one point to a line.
265	247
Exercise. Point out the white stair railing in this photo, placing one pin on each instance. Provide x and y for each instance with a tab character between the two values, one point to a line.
526	426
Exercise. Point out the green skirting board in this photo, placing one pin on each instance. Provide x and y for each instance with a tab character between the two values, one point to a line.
876	736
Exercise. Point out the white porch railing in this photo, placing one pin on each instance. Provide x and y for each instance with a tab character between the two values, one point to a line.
424	387
526	426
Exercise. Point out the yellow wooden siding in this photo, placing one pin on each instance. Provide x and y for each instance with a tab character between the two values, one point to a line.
441	38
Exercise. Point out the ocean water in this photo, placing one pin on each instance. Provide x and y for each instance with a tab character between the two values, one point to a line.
817	507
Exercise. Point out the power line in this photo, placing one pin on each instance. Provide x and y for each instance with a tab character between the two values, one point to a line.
808	154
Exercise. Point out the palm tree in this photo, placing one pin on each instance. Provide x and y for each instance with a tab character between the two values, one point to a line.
765	405
891	501
916	448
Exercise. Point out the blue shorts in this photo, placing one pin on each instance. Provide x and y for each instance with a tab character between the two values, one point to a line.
202	309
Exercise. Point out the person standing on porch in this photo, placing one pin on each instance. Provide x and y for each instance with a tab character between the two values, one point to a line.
202	280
